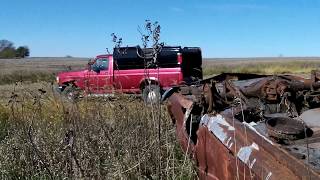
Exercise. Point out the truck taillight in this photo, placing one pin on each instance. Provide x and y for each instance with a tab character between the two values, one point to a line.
179	58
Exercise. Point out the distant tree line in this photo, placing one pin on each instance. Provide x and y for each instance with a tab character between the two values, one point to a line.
7	50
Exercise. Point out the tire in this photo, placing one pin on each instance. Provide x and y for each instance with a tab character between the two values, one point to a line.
71	92
151	94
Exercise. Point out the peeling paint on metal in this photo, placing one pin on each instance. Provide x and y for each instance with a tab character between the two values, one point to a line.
214	125
230	146
254	129
217	119
229	141
245	152
252	163
252	123
268	176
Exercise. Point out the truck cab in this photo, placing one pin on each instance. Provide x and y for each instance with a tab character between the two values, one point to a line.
99	77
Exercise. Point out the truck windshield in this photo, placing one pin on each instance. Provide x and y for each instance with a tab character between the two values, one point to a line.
101	64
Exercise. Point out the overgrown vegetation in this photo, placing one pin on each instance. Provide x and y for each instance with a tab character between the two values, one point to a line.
45	137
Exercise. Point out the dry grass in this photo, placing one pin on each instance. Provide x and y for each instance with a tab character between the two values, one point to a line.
261	65
42	136
37	69
7	66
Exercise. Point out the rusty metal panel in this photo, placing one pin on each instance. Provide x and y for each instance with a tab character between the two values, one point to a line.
225	147
176	106
215	161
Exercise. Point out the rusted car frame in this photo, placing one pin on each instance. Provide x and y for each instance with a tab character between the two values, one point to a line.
248	126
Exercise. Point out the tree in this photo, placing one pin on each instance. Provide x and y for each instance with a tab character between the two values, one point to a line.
8	53
7	50
22	52
5	44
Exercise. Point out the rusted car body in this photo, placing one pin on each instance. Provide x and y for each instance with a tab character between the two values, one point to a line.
248	126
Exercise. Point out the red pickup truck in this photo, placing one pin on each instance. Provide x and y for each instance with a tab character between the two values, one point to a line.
126	71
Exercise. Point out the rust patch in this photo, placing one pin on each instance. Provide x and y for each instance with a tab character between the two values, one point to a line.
236	116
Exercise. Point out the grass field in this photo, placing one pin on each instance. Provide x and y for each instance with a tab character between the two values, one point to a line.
261	65
37	69
43	136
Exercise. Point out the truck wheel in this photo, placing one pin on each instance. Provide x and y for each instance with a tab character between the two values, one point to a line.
71	92
151	94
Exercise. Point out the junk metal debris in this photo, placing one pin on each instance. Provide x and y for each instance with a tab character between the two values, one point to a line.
248	126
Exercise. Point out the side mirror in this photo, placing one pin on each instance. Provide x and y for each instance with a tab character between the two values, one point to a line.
97	70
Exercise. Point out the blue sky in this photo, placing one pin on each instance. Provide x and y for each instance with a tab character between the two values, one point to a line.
222	28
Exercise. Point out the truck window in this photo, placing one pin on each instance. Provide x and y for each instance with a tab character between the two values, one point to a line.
127	58
101	64
168	57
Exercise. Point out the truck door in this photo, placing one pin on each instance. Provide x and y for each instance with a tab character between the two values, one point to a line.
99	78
